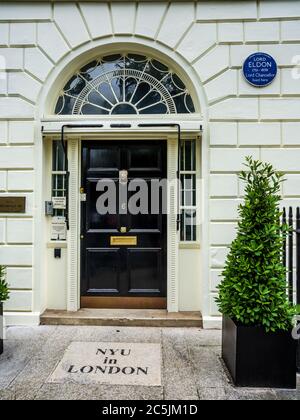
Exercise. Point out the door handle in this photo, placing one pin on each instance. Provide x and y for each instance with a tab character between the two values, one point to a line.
123	177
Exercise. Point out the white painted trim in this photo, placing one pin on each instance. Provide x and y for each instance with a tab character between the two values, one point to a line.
205	216
22	318
172	234
212	322
73	242
40	232
73	274
54	125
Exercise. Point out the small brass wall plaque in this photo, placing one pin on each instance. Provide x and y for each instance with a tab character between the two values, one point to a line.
123	240
12	204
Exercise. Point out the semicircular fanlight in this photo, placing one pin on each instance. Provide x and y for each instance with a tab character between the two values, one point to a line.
124	84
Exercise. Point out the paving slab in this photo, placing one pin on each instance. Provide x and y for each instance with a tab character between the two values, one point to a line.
69	391
215	394
288	395
17	354
29	333
88	363
100	393
42	364
208	368
233	393
118	334
178	376
195	336
6	395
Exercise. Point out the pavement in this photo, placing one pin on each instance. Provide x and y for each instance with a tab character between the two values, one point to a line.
191	365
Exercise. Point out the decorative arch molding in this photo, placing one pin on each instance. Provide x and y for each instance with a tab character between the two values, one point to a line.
124	84
75	59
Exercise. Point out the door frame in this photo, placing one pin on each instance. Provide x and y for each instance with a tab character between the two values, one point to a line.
191	126
73	240
123	302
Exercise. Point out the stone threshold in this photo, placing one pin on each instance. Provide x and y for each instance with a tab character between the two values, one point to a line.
123	317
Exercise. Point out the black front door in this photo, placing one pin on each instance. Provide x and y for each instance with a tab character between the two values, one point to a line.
123	246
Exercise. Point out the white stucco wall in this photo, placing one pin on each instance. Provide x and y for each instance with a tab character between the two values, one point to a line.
210	39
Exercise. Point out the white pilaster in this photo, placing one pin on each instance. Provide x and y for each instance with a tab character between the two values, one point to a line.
173	239
73	251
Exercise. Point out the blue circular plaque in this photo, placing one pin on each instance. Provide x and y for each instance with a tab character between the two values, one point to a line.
260	69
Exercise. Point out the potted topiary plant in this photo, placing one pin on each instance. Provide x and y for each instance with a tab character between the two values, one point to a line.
257	343
4	294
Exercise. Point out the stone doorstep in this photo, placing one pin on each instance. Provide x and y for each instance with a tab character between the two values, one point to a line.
122	318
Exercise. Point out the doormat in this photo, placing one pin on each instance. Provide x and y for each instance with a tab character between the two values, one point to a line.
110	363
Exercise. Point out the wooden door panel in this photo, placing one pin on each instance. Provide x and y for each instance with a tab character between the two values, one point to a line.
103	270
144	271
144	158
94	220
104	159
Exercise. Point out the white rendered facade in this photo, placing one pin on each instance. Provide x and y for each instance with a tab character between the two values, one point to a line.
42	44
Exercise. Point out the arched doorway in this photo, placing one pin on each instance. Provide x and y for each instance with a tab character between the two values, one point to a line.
133	88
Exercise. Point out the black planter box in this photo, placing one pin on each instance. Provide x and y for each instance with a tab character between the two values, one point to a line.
1	327
259	359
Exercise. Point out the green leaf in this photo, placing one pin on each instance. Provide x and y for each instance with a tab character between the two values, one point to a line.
4	292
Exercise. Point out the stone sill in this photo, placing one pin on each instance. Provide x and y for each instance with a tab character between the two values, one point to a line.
57	244
189	245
